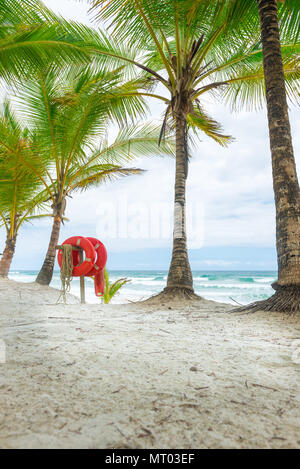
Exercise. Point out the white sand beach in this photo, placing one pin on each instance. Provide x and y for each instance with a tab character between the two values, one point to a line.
145	376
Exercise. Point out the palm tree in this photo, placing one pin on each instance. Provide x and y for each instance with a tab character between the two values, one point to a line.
191	49
279	25
69	120
285	179
21	193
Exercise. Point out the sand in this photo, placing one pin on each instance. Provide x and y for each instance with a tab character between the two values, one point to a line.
145	376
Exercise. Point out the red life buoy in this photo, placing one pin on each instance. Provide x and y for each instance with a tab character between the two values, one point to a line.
100	283
90	256
98	270
101	260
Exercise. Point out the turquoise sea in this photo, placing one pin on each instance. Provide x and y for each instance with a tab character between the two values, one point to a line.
228	287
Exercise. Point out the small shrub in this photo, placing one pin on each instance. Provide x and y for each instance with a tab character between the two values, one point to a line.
111	289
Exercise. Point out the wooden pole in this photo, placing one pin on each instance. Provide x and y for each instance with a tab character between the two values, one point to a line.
82	284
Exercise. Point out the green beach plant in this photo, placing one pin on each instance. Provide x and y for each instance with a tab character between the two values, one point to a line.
70	117
191	49
111	289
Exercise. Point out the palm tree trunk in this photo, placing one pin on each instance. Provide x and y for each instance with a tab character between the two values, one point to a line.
285	180
7	256
180	274
46	273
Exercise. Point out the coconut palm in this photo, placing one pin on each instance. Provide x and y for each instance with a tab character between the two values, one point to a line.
22	196
279	24
286	184
285	179
190	48
69	119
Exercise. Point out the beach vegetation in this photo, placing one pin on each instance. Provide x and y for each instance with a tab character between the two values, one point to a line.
111	289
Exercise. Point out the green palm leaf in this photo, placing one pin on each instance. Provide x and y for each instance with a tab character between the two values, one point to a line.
219	41
21	191
32	37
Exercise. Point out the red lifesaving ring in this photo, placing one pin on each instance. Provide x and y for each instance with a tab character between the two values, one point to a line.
90	255
100	283
101	257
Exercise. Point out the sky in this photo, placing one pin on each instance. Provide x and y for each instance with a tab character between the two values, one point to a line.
231	217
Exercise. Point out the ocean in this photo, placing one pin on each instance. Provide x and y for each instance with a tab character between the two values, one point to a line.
228	287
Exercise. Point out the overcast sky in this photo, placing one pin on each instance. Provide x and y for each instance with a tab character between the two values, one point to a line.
229	195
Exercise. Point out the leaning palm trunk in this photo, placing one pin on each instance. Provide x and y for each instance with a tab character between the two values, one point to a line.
46	273
7	256
285	181
180	275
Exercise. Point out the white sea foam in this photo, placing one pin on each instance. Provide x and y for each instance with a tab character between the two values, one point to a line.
228	287
268	280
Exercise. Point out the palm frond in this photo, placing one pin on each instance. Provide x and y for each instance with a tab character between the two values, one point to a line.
21	191
199	120
32	37
131	142
100	175
247	88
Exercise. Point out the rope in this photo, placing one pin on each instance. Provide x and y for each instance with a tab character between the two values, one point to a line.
66	271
